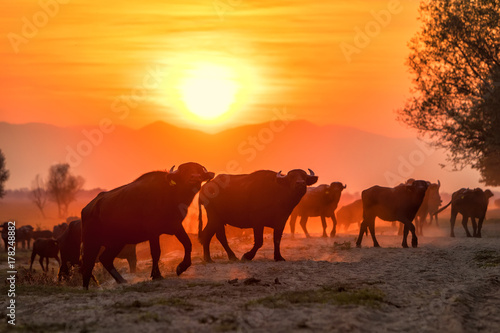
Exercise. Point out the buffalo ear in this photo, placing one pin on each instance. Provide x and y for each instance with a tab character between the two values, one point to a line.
209	176
311	180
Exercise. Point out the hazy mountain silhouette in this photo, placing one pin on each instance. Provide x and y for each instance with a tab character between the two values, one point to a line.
335	153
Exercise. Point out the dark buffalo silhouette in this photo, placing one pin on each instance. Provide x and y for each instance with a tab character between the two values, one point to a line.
400	203
59	229
319	201
154	204
24	235
430	204
469	203
5	234
261	199
42	234
45	248
70	247
351	213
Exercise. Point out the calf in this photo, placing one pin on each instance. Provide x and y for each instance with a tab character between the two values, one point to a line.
45	248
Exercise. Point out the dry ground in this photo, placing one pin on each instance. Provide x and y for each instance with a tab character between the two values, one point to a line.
327	285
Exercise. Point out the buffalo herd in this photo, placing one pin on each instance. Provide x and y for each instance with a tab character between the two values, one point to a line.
157	202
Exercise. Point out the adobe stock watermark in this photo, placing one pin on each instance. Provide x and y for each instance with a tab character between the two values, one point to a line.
408	164
31	25
363	36
121	106
223	7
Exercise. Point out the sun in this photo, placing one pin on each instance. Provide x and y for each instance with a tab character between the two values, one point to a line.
209	90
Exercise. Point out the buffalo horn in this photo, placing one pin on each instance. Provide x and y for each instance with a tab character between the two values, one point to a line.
279	175
345	186
311	173
172	169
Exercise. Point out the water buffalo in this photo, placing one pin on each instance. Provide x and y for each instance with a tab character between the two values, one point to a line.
24	234
45	248
351	213
469	203
154	204
5	234
319	201
432	201
261	199
70	244
400	203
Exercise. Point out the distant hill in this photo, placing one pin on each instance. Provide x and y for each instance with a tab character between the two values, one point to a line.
335	153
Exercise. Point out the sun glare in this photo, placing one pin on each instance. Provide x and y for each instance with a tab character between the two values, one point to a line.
208	90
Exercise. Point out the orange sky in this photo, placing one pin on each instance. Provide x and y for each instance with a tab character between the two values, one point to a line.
73	69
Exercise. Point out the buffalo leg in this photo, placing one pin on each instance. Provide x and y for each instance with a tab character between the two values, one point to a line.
453	218
293	220
479	226
465	218
362	229
323	224
41	263
107	257
33	255
258	235
408	226
371	226
277	234
334	229
183	237
207	233
303	222
221	236
154	247
474	226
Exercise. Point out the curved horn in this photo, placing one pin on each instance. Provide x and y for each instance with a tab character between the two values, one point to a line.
345	185
279	175
205	169
171	169
439	183
311	173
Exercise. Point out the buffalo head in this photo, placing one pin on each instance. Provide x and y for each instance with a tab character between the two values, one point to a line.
189	174
297	179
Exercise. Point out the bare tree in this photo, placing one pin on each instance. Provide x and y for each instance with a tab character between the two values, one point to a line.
4	174
62	187
38	193
455	59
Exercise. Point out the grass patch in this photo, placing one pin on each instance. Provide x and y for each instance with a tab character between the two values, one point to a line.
170	302
487	258
338	295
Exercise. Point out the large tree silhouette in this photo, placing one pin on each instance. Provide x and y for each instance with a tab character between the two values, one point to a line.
455	59
62	187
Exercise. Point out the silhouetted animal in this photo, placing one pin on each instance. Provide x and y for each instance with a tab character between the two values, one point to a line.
42	234
430	204
45	248
24	235
319	201
469	203
154	204
70	247
257	200
58	230
351	213
400	203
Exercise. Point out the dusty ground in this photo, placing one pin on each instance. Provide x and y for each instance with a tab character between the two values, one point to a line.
450	285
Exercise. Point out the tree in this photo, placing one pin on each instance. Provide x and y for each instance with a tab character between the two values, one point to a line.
455	59
4	174
38	193
62	187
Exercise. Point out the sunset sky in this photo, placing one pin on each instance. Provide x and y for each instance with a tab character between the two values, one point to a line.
87	60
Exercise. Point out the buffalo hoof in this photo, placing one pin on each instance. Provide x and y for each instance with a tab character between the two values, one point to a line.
280	258
234	259
324	236
121	281
414	244
404	245
182	268
158	277
208	260
332	234
358	245
247	257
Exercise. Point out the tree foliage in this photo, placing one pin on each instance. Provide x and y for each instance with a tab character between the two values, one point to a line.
4	174
455	59
62	187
